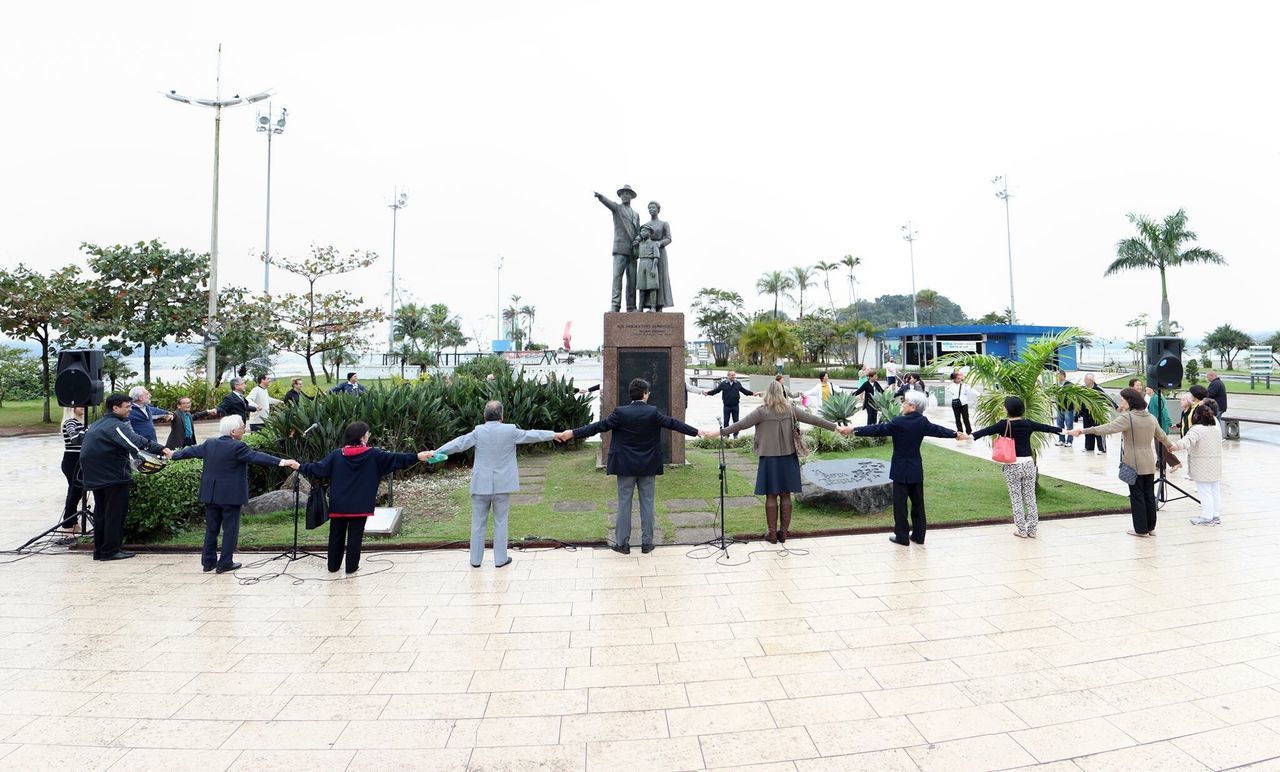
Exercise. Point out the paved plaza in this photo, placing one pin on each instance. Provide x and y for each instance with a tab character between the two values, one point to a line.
1085	649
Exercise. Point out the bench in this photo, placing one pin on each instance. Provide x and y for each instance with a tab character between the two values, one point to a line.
1231	424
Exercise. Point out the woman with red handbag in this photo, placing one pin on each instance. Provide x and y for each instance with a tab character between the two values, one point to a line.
1013	449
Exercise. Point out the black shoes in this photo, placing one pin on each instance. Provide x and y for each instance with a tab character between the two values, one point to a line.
475	565
121	555
506	562
621	549
206	569
224	569
902	542
646	548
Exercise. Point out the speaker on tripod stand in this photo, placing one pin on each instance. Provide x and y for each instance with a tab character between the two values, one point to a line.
1164	371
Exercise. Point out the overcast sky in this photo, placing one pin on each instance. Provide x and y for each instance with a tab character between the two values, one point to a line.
773	134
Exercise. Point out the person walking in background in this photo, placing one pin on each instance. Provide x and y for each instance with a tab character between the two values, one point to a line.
182	434
958	396
635	458
224	488
730	391
1217	391
354	471
1065	416
1203	443
236	403
72	437
890	372
906	469
1140	433
778	472
1094	442
263	399
869	389
142	416
494	476
1020	474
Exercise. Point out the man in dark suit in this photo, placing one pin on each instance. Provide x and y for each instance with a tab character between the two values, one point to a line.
183	432
906	470
236	403
1217	391
635	457
224	488
730	391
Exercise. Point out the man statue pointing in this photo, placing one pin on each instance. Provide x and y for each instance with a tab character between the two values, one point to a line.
626	225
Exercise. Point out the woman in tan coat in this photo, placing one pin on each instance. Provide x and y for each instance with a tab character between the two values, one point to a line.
1139	431
778	475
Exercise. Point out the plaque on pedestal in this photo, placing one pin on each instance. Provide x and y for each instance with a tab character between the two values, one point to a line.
648	346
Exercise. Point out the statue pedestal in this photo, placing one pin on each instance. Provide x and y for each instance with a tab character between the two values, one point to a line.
649	346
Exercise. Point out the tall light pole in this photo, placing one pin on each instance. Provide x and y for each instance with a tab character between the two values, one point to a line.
398	201
270	127
499	316
909	235
1002	183
217	103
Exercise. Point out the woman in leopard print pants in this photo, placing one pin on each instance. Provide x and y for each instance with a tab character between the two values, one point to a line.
1020	475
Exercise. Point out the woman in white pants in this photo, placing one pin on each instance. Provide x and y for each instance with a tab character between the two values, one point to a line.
1203	443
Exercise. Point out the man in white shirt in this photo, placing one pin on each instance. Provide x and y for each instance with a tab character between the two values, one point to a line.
260	397
891	371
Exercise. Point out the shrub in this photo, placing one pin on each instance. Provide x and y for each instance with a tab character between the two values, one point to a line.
839	408
823	441
1206	362
1192	371
730	443
162	503
166	395
888	406
481	368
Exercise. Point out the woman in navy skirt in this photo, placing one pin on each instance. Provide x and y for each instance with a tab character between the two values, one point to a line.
778	475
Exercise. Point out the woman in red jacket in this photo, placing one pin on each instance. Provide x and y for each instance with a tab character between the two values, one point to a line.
354	471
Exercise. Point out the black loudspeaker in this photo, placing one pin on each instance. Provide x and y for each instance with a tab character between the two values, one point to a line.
1164	362
79	379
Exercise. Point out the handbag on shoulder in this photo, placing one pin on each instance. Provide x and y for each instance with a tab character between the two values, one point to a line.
1003	450
1128	475
317	507
802	449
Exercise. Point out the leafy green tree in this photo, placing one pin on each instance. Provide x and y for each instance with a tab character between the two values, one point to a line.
817	335
312	323
1227	342
348	350
410	325
1031	379
1191	371
36	306
774	283
249	332
146	293
994	317
19	374
801	280
927	300
1273	341
1160	246
769	339
116	369
719	317
889	310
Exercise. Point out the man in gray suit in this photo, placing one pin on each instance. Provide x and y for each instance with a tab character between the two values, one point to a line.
494	476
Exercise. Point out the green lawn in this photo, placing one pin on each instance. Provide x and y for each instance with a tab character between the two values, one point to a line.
960	488
1233	387
26	416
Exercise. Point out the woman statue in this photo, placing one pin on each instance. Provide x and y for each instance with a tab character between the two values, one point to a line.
660	232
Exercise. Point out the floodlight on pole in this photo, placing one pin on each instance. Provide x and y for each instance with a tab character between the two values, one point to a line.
269	127
909	235
398	201
1002	183
217	103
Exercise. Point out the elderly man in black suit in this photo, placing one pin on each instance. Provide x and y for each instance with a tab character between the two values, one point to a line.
224	488
635	457
906	469
236	403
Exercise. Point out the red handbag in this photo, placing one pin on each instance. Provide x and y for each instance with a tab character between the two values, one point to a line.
1003	451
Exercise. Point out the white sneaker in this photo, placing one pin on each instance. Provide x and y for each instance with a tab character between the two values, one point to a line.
1206	521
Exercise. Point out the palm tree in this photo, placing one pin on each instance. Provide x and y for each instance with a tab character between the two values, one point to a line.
802	278
927	300
115	368
774	283
1160	246
411	323
527	312
827	268
511	315
1031	379
770	338
851	262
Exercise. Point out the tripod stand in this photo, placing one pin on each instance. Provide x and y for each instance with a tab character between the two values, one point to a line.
721	542
84	513
294	553
1162	495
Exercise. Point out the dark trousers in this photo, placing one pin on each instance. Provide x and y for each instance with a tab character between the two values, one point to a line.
345	532
1142	500
1092	441
225	519
75	491
109	505
902	492
962	418
731	415
871	414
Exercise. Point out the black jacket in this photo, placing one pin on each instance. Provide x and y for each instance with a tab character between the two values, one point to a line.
354	472
869	389
636	449
225	478
730	391
108	445
908	432
178	432
236	403
1218	393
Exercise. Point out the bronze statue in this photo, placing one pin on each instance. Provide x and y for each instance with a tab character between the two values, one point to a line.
660	232
626	232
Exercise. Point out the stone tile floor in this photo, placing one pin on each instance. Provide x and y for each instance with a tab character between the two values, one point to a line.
1083	650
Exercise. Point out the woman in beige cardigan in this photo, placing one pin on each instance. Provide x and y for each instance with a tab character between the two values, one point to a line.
1140	432
778	475
1203	443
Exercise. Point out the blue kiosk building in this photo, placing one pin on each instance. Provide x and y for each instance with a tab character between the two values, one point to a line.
918	346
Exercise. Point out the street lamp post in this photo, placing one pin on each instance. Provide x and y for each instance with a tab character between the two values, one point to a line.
909	235
270	127
398	201
499	316
1003	194
217	103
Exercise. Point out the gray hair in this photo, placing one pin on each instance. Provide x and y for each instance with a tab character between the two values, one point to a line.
917	399
136	392
234	382
229	424
493	410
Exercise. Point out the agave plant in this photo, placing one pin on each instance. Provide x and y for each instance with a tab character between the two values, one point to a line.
839	408
1031	379
888	406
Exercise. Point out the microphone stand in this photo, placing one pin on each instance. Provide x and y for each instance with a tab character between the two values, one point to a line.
721	542
294	553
